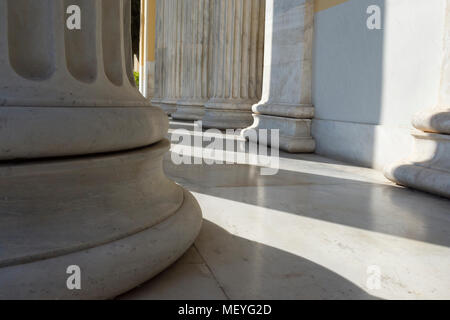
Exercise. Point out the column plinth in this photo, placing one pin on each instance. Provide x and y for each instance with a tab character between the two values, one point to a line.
286	98
81	153
237	61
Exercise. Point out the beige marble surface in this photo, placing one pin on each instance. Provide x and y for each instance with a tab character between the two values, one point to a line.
309	232
189	279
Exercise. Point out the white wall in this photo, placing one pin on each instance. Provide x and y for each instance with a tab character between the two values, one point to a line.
367	84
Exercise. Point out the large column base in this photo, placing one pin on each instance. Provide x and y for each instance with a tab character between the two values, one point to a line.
116	216
428	168
191	111
294	134
47	132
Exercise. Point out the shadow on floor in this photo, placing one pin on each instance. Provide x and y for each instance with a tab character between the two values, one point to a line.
251	270
243	269
375	207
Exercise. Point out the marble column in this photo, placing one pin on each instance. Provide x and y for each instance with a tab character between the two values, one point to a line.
171	54
194	69
237	62
81	176
147	48
158	93
286	102
428	167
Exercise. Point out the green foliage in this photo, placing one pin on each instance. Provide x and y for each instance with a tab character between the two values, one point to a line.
136	78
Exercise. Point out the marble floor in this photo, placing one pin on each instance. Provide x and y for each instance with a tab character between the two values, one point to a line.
317	229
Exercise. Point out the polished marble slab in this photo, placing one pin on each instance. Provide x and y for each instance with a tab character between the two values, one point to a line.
315	230
189	279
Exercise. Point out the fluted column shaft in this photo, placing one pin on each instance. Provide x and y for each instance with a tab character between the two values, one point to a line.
171	54
158	93
94	68
286	102
147	48
428	167
237	62
60	88
195	58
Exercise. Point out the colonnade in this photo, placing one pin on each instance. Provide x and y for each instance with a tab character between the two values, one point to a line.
213	57
247	64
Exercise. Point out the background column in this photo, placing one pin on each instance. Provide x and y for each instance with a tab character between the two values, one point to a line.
158	94
169	72
194	69
147	48
286	99
237	62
